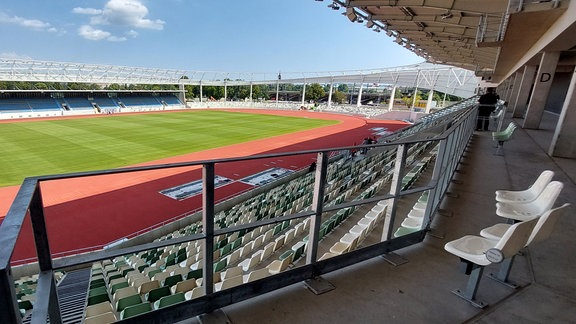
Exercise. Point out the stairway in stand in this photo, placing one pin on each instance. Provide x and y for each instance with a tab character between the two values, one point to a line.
72	291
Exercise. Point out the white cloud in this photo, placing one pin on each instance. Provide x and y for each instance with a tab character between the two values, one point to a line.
126	13
34	24
86	11
91	33
119	14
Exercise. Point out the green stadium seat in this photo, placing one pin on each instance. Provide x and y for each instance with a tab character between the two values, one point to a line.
156	294
194	274
135	310
127	301
172	280
97	283
97	291
25	304
97	299
117	286
220	265
169	300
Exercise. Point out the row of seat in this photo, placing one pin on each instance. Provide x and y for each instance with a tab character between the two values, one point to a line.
359	231
530	219
162	267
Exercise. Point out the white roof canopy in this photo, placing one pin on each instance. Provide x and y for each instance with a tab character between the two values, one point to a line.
447	79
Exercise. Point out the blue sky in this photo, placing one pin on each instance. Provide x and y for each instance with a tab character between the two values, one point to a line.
202	35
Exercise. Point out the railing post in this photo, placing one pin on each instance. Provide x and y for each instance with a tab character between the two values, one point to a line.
395	188
9	312
9	231
208	225
317	206
47	296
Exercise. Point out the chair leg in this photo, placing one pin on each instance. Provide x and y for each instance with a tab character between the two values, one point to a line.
503	273
499	148
472	287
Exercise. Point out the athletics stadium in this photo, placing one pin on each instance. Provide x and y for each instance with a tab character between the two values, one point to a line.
123	204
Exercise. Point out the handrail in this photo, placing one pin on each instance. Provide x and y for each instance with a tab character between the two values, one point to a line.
453	127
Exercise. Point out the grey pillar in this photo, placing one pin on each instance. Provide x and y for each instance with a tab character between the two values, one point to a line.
358	102
563	144
391	103
541	89
330	93
182	94
429	101
515	88
520	104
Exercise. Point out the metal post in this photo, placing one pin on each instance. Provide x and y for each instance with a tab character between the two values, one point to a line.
208	225
317	206
395	188
472	287
9	312
48	301
9	230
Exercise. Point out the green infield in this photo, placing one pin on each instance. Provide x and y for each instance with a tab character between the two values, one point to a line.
83	144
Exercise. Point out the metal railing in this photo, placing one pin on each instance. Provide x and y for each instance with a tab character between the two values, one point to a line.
449	129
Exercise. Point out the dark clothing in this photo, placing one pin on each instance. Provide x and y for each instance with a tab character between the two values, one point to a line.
487	103
489	98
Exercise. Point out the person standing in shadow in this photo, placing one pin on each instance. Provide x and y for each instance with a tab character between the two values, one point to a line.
487	104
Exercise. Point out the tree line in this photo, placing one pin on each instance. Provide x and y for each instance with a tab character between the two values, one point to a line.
314	91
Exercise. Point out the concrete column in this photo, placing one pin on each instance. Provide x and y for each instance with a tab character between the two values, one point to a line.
330	93
251	92
520	104
414	98
502	89
200	91
358	102
429	101
303	93
563	144
391	103
541	89
515	88
505	87
182	94
225	91
510	89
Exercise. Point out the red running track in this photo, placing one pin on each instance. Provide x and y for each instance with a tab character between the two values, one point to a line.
87	212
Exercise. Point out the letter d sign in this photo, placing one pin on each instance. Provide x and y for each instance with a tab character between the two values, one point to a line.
545	77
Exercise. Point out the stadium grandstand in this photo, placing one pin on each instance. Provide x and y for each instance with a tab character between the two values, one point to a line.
377	218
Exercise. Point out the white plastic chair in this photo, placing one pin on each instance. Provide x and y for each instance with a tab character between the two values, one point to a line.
528	195
479	251
542	230
256	275
533	209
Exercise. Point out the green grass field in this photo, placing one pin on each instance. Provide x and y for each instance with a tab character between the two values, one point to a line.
83	144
